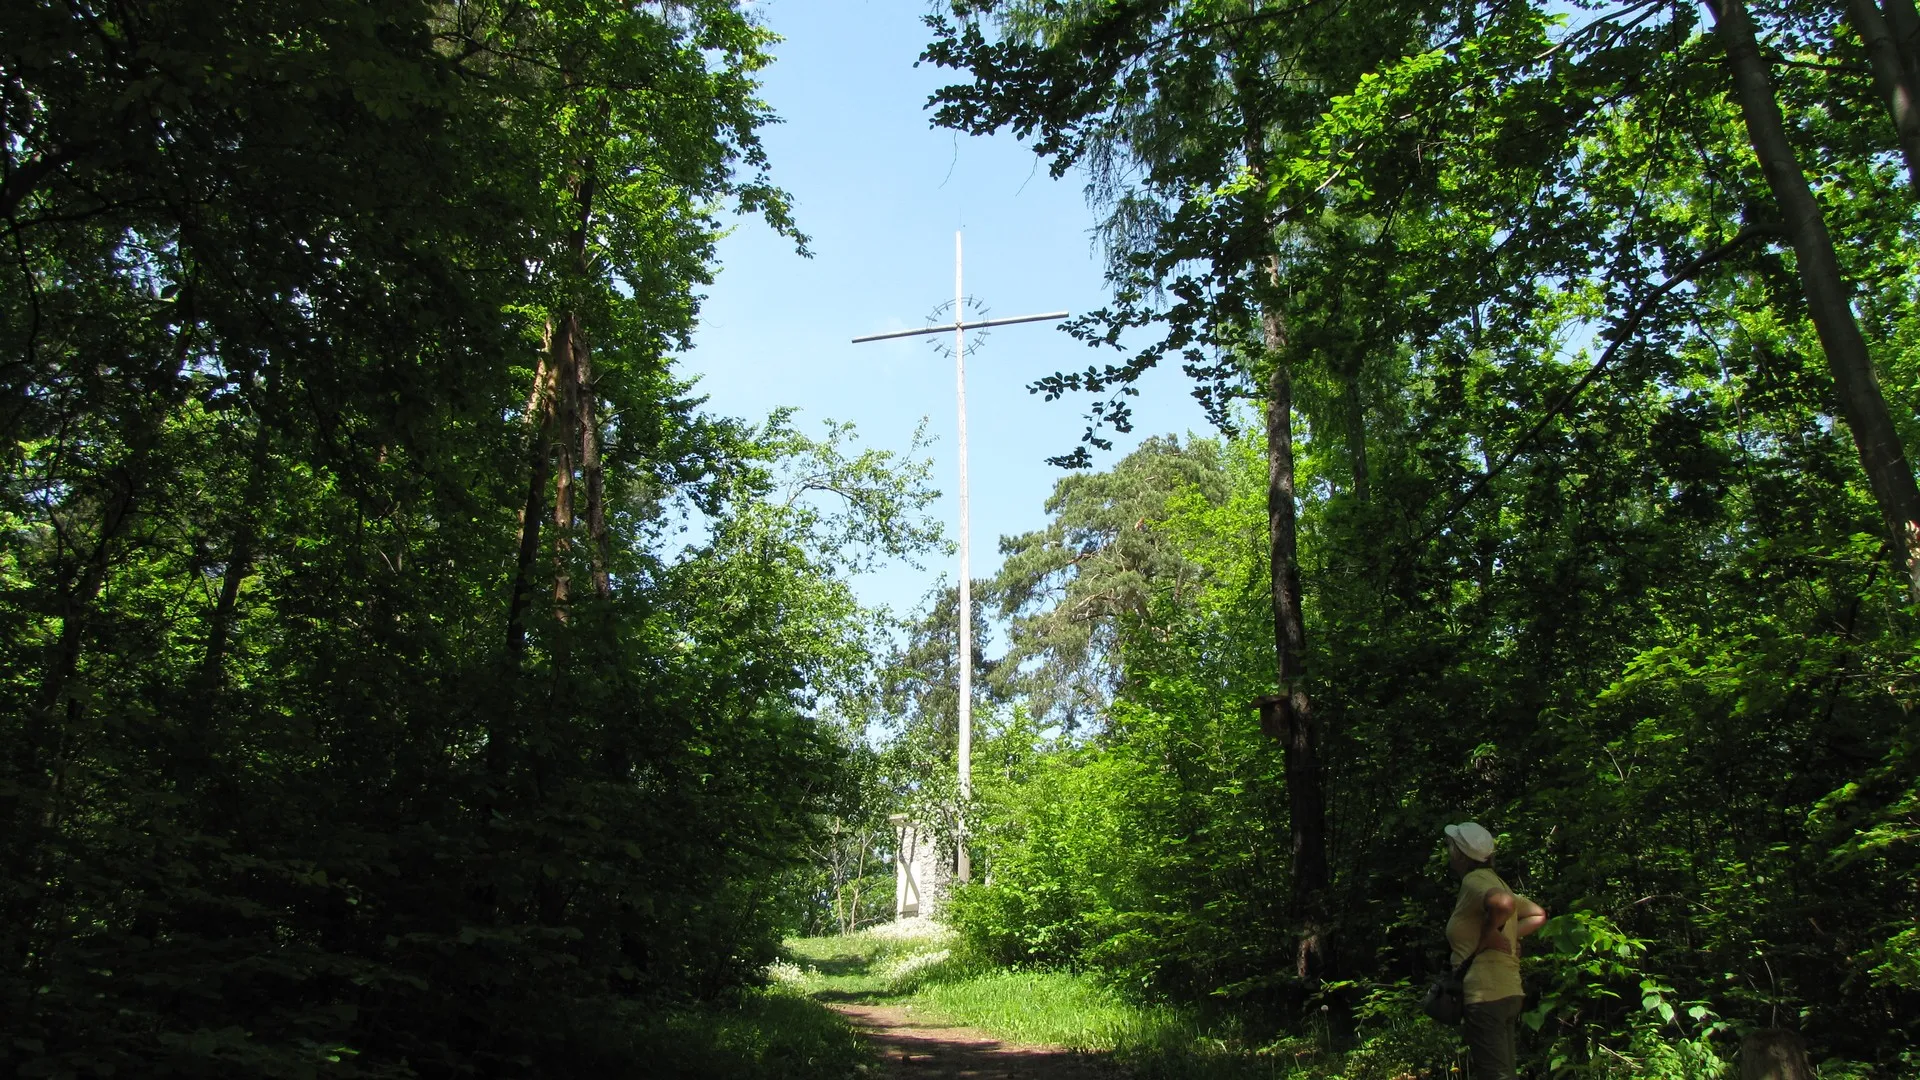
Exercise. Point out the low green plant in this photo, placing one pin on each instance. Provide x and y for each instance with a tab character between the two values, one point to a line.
1394	1038
1600	1011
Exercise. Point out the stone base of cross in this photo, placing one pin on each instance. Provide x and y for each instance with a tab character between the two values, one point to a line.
920	876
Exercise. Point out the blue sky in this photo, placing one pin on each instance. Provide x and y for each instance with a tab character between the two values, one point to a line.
881	194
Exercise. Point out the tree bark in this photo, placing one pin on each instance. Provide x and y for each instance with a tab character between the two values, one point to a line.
1904	22
566	398
539	454
1892	79
239	563
568	388
592	474
552	408
1882	455
1357	436
1286	715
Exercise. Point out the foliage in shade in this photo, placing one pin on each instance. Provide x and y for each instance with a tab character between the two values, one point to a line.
275	799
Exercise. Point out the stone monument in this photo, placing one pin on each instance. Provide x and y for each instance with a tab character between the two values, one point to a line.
920	875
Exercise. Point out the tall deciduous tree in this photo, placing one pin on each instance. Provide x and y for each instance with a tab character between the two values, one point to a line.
1883	455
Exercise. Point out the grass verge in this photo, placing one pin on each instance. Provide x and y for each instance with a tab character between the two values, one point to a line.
918	967
770	1034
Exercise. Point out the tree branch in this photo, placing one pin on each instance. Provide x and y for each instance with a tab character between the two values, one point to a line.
1620	335
23	180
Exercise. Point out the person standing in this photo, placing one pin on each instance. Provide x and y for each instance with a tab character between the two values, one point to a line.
1488	921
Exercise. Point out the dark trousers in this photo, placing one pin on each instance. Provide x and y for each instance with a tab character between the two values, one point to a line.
1489	1026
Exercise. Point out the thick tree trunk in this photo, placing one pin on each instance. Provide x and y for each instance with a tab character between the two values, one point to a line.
1774	1054
1882	454
568	408
1892	79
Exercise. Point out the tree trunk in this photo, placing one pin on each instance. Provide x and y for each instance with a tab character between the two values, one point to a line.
1357	435
539	452
1881	453
567	390
1892	79
239	563
1904	22
1288	714
591	472
1774	1054
566	408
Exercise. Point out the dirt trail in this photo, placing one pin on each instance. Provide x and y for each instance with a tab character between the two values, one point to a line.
911	1045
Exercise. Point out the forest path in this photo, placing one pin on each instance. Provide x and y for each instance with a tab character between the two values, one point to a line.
913	1045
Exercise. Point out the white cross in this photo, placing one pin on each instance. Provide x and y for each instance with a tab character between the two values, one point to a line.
960	326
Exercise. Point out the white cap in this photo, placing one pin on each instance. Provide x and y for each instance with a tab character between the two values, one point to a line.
1473	841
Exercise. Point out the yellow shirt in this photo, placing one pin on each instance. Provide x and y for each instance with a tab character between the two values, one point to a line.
1494	975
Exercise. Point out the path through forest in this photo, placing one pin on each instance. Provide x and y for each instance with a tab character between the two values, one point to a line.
913	1045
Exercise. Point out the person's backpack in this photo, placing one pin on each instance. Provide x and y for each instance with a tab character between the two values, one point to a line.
1447	997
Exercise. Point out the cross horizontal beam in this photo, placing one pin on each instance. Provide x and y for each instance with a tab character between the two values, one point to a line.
962	326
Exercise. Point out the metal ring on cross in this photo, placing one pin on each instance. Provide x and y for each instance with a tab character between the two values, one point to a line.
972	310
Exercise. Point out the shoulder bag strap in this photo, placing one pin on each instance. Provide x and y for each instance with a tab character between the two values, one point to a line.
1461	971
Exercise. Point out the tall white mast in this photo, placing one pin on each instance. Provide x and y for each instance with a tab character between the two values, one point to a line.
963	865
963	869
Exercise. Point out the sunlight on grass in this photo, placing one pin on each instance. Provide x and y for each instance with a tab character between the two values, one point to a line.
1058	1009
883	962
919	967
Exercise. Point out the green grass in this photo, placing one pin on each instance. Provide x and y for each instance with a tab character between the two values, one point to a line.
768	1035
923	969
875	965
1057	1008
